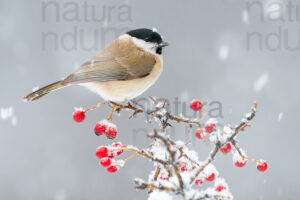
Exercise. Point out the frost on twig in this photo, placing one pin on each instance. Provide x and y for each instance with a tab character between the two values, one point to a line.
177	169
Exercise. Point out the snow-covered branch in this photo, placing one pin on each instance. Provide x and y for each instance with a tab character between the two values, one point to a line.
177	169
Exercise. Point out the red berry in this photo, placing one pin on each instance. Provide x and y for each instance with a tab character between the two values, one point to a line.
263	166
226	148
196	105
112	169
105	162
184	168
101	152
220	188
118	145
210	178
210	127
100	128
200	134
240	164
164	176
78	116
199	182
110	154
111	132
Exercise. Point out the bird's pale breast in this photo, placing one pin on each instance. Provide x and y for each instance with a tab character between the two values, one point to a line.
125	90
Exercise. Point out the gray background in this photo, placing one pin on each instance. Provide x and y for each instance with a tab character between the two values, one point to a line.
45	155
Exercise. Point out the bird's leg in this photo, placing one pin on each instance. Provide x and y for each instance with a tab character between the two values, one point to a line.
96	106
112	112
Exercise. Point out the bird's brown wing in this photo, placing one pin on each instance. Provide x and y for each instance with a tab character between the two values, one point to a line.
116	62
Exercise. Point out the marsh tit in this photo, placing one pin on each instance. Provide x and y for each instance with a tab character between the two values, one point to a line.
123	70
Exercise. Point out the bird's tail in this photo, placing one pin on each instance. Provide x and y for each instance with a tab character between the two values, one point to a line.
45	90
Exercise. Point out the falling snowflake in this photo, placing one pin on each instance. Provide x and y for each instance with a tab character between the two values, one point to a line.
280	116
261	82
223	52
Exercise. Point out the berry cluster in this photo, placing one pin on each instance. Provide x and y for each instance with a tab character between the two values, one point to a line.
178	168
210	174
210	125
240	162
106	154
202	133
217	135
104	127
220	185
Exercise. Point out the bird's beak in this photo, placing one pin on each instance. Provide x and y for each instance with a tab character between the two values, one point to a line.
163	44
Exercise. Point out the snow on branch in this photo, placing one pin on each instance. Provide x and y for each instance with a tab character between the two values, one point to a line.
177	169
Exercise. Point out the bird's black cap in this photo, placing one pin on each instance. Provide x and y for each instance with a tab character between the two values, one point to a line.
146	35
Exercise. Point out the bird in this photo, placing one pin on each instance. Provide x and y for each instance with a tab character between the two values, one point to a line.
122	71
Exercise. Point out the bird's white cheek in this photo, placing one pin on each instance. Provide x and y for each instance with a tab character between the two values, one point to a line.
146	46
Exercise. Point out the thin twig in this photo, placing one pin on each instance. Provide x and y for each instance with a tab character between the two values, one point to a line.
210	158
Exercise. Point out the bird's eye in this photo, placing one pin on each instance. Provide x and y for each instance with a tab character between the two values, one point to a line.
159	50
